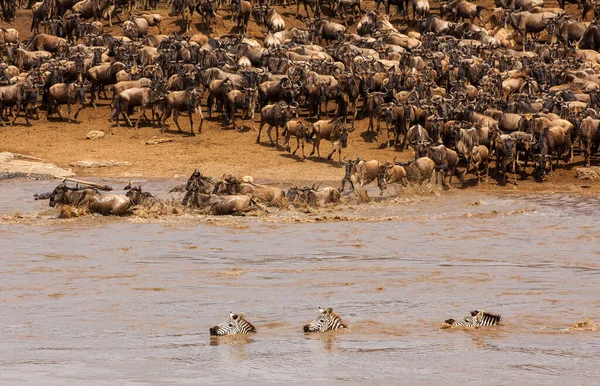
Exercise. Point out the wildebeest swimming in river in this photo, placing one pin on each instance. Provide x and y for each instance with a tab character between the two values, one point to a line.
218	205
91	200
144	199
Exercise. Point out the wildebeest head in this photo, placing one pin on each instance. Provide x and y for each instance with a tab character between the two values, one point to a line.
236	325
193	178
134	193
296	193
58	195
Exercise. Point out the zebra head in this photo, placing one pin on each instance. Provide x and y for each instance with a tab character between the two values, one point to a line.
236	325
326	321
478	318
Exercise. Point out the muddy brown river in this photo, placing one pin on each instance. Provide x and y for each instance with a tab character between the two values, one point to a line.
97	300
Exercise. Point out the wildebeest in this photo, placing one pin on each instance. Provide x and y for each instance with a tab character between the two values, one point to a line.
246	100
554	141
331	130
446	161
143	97
233	185
183	101
327	320
69	94
505	156
295	129
91	200
144	199
590	137
275	115
218	205
476	157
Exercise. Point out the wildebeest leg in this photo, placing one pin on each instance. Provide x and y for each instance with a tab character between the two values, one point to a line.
317	146
259	131
176	120
165	116
142	113
68	113
334	148
269	134
125	114
191	123
78	110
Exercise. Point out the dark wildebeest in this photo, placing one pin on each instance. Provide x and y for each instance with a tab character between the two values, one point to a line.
590	137
144	199
295	129
232	185
218	205
275	115
183	101
554	141
446	161
91	200
506	149
66	94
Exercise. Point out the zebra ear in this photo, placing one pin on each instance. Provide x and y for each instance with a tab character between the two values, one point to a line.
329	310
322	310
240	316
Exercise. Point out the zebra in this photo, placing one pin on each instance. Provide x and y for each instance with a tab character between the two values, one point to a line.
236	325
478	318
326	321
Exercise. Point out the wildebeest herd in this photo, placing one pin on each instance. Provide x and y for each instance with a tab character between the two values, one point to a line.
517	83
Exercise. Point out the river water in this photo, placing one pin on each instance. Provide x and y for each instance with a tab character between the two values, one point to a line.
115	301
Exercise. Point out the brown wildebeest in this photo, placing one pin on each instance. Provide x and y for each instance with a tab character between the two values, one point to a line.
91	200
506	150
275	115
590	137
446	161
144	199
476	156
332	130
183	101
233	185
295	129
143	97
219	205
66	93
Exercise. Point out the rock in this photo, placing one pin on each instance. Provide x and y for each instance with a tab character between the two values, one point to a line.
589	174
19	165
98	164
158	141
94	134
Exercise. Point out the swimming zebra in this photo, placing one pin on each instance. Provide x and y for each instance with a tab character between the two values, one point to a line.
478	318
236	325
326	321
